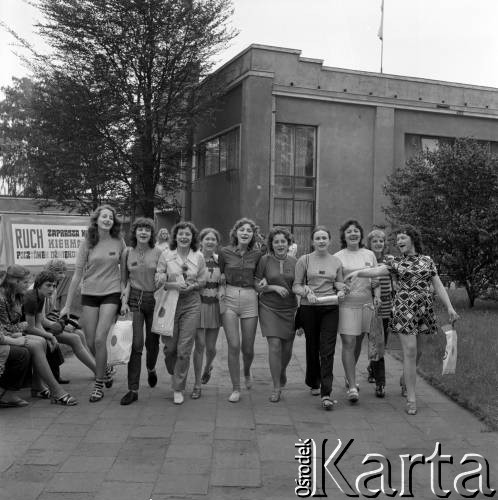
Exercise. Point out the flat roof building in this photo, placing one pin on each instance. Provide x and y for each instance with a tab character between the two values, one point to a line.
295	143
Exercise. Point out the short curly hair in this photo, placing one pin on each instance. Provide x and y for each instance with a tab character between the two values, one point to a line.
142	222
56	266
194	244
44	277
274	232
233	232
414	235
377	233
342	232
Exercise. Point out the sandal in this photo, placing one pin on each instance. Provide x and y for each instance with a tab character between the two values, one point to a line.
65	400
206	375
411	407
352	395
327	403
43	394
196	393
275	396
96	395
16	402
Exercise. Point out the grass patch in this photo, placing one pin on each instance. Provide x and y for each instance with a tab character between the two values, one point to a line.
475	382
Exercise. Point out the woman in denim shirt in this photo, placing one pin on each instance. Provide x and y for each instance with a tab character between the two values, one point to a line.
238	264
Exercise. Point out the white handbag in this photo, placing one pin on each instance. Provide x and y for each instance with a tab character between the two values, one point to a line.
119	341
164	312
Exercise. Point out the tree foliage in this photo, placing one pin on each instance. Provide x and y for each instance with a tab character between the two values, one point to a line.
451	195
118	96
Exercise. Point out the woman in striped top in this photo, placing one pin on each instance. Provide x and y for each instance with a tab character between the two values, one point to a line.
376	241
207	333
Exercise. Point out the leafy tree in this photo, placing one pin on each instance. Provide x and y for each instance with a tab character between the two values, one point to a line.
44	154
451	195
125	76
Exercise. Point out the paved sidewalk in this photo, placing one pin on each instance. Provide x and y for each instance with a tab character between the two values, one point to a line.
216	450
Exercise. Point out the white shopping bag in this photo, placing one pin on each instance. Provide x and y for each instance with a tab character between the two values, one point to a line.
164	312
119	341
450	353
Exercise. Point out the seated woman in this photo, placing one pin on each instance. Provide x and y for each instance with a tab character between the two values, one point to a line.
34	310
12	290
14	365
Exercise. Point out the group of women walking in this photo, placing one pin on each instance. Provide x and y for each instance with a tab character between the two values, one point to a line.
232	286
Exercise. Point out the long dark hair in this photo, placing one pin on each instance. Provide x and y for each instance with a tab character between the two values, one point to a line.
92	235
142	222
9	284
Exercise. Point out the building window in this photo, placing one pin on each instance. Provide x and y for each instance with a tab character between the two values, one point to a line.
415	144
218	154
295	181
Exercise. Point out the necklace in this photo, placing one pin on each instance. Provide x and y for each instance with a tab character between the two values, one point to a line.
141	255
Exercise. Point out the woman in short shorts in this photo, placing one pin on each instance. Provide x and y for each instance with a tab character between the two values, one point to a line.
238	264
97	268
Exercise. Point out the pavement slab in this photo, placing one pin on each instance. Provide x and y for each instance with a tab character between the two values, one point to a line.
211	449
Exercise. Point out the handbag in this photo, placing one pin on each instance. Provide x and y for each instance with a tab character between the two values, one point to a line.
164	312
376	345
119	341
450	353
298	323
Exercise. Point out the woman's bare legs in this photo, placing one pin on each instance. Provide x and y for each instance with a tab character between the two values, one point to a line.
37	347
106	317
74	341
409	346
89	320
348	359
231	326
248	329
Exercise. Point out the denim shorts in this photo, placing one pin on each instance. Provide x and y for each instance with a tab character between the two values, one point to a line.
242	301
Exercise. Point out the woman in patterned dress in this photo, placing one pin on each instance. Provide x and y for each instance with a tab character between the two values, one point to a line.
207	333
413	312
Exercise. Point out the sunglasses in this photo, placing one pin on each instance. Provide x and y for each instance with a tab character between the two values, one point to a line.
184	270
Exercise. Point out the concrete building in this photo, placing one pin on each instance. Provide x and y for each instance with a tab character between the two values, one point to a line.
296	143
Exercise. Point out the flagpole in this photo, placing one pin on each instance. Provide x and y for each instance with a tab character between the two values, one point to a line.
381	53
380	34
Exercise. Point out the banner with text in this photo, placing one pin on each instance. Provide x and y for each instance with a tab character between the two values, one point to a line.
35	244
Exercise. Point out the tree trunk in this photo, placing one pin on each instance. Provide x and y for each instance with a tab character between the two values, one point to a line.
470	293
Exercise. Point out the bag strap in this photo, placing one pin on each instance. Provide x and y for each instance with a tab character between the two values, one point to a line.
307	260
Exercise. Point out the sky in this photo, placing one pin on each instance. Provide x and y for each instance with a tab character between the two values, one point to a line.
451	40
